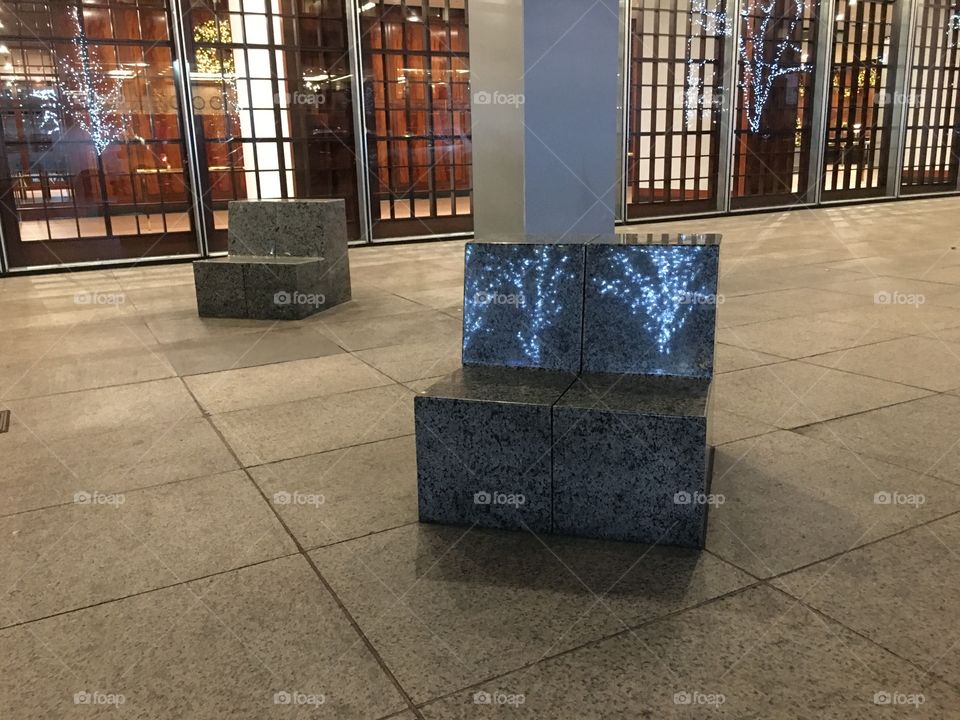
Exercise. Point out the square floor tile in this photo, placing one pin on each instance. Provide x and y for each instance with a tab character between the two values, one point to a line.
799	337
278	432
91	411
795	393
447	607
788	501
919	435
897	592
240	350
343	494
109	546
419	327
756	655
235	645
405	363
918	361
37	474
283	382
908	317
725	427
50	375
729	358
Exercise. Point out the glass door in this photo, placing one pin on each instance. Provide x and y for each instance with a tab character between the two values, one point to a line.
270	82
860	114
932	148
417	82
675	99
776	53
92	157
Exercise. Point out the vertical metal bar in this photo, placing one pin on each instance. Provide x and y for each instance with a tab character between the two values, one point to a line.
823	73
904	29
359	120
728	107
623	123
181	81
4	263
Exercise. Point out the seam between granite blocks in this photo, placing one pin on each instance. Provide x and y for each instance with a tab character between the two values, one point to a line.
302	552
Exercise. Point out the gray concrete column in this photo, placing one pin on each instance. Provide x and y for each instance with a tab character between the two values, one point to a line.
544	78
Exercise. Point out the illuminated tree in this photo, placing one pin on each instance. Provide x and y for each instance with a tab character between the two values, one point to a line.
93	96
759	67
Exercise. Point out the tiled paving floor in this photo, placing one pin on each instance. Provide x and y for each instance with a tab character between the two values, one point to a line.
208	518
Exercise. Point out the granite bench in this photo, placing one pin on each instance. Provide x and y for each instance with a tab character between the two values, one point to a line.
582	404
286	260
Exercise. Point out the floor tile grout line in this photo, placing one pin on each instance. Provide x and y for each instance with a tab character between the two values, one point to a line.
836	555
923	671
121	598
325	583
630	628
870	454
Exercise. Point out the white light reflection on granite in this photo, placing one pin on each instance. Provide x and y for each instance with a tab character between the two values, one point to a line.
664	300
531	277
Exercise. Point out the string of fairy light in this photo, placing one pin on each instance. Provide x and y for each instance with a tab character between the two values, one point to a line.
758	69
93	97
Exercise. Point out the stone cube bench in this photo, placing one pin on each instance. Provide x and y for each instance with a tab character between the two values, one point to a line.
582	406
286	260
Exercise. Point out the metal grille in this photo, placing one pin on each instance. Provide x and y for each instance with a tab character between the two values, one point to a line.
772	138
417	64
676	52
932	143
858	126
271	90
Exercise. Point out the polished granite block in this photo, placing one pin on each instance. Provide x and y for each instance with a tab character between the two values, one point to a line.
253	228
650	305
219	284
484	448
522	305
631	460
283	288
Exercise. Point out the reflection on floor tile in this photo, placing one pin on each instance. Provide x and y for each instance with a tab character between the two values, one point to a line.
447	607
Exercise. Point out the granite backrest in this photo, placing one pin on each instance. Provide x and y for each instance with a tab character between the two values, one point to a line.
625	304
523	305
291	228
650	305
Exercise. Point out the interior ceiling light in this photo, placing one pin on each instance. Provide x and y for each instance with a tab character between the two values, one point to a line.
367	6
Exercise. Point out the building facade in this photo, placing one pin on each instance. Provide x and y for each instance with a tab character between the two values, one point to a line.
129	125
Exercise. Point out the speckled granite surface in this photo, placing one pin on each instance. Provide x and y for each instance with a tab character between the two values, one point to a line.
631	459
650	305
522	305
219	286
484	448
288	259
620	452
